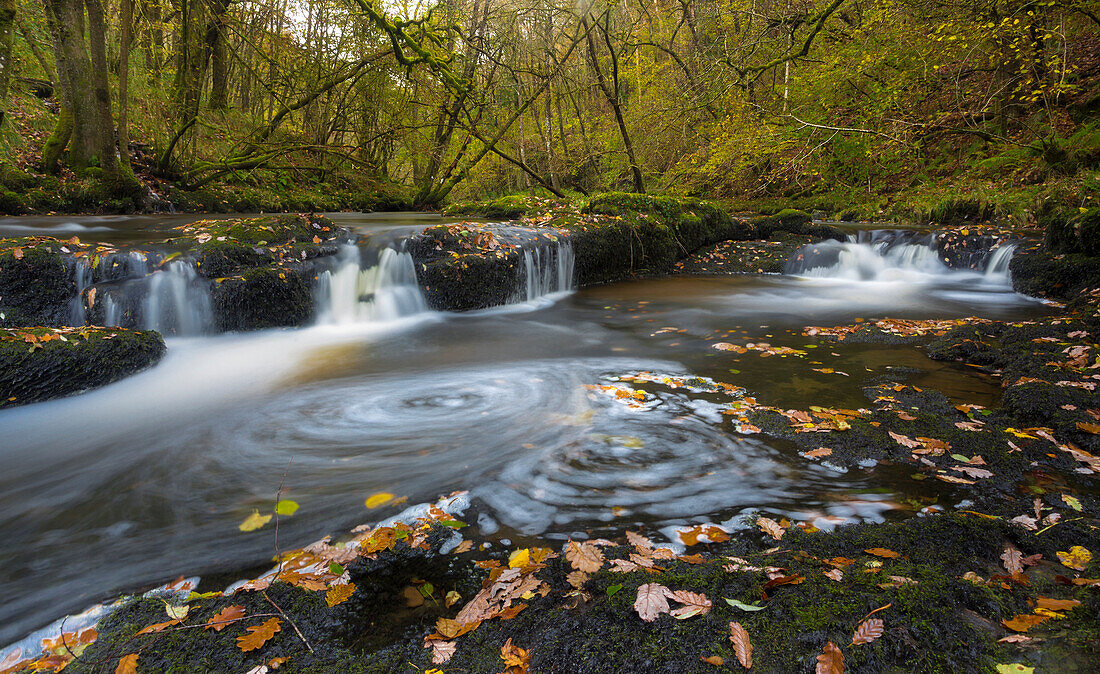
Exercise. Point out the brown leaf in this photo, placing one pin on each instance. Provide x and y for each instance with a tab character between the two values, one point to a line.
1023	623
882	552
338	594
224	618
784	580
452	629
770	527
716	660
584	556
831	660
258	635
868	631
441	650
904	440
835	574
577	578
639	541
742	646
413	598
694	604
1013	560
712	532
1088	428
817	453
127	664
1056	604
652	601
18	253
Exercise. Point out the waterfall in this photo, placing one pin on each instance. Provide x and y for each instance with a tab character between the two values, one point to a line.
997	265
386	290
82	278
547	269
176	301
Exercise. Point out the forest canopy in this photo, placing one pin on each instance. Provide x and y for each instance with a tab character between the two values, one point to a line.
724	99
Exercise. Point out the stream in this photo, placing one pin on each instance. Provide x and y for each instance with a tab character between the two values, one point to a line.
124	487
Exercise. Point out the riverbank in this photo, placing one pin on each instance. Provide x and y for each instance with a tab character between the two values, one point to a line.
999	571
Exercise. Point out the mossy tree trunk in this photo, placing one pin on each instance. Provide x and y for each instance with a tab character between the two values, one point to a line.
218	53
82	79
59	138
7	31
126	10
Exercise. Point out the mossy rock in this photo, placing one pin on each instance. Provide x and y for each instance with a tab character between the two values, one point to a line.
1044	274
1072	232
268	230
509	207
35	282
266	297
12	203
39	364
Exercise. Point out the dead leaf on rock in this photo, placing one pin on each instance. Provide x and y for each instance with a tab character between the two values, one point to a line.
224	618
258	635
831	660
652	601
742	646
868	631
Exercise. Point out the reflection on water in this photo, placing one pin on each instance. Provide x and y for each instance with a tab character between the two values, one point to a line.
150	476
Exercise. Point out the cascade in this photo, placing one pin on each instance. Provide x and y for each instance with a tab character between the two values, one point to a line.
386	290
547	269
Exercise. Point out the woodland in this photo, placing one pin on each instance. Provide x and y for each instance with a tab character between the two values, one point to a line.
881	107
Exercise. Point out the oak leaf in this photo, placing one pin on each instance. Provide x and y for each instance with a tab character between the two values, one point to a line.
652	601
1056	604
224	618
868	631
338	594
584	557
517	659
258	635
577	578
1013	560
1077	558
742	646
831	660
159	627
441	650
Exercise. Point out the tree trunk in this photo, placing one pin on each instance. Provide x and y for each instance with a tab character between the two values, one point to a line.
125	38
7	64
219	61
59	138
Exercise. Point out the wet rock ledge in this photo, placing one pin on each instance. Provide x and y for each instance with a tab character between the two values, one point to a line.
39	364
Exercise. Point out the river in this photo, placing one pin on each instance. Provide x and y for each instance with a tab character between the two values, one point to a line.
129	485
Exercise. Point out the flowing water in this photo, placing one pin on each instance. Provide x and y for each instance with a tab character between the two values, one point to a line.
148	478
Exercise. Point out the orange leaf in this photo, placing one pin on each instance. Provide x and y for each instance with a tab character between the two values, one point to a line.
338	594
516	658
229	614
1088	428
742	646
868	631
713	534
694	604
831	660
159	627
1056	604
1023	623
882	552
127	664
258	635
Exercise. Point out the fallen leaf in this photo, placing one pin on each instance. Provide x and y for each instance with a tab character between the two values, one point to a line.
258	635
1077	558
338	594
882	552
1088	428
127	664
742	646
584	557
1056	604
177	612
159	627
831	660
1015	668
694	604
286	507
711	532
516	658
224	618
816	453
577	578
770	527
652	601
1013	560
744	607
835	574
1024	622
1072	502
254	521
413	597
868	631
715	660
441	650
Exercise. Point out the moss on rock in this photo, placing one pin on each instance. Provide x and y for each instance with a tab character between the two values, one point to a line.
35	282
39	364
265	297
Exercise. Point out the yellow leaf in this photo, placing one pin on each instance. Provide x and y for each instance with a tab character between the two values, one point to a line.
338	594
519	558
379	499
254	521
258	635
1077	557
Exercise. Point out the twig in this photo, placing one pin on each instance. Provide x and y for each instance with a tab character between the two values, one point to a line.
278	495
282	613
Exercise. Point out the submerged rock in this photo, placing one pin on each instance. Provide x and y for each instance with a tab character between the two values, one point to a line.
39	364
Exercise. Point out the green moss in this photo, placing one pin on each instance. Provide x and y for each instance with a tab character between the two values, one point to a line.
266	297
35	283
39	364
